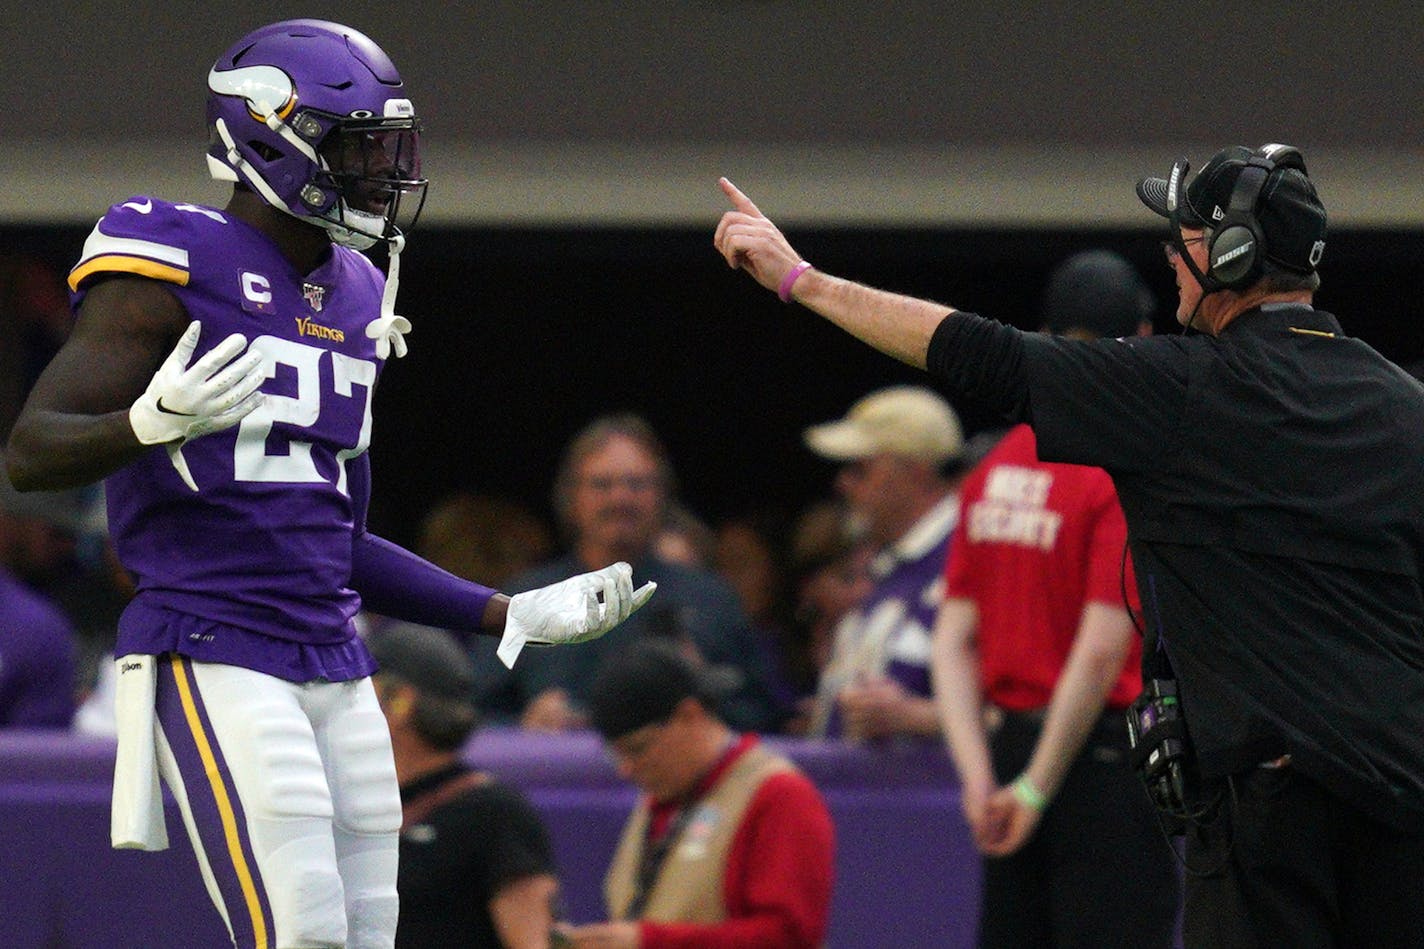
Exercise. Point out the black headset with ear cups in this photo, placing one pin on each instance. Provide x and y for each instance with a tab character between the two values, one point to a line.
1237	252
1238	245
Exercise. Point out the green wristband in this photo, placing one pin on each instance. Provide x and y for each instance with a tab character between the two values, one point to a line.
1028	793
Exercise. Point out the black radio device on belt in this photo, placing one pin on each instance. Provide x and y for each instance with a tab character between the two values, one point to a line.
1160	751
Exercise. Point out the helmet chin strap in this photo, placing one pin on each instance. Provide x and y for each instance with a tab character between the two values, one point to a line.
388	329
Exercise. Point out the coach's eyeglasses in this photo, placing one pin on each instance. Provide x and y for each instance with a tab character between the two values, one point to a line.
1170	249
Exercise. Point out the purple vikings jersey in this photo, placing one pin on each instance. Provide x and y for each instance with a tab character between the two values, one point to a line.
889	634
254	568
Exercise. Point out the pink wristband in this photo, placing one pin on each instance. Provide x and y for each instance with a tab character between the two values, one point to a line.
792	275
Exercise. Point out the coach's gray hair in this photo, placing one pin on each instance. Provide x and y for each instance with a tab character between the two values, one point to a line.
1284	281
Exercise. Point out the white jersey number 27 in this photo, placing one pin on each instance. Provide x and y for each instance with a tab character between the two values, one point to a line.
251	460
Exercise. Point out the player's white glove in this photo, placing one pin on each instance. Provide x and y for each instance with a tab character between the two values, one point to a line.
183	402
569	611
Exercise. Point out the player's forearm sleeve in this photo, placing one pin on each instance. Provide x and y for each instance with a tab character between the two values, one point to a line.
983	360
394	582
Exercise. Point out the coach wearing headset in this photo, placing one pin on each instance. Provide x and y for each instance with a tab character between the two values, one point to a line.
1271	470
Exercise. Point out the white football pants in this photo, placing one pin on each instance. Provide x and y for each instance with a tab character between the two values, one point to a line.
289	794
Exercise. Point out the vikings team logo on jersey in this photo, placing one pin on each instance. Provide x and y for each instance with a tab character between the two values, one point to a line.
314	294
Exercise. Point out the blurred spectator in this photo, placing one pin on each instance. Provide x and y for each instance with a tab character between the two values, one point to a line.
1035	660
34	322
748	555
37	642
72	563
829	573
476	868
489	540
96	596
1096	294
78	576
611	496
684	538
751	556
901	451
729	844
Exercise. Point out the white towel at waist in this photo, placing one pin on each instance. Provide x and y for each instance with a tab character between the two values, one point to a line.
136	815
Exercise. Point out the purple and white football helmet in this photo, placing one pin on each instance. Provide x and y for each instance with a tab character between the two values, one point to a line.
312	116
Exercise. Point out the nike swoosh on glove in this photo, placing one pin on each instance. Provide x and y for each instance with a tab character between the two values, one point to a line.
184	402
570	612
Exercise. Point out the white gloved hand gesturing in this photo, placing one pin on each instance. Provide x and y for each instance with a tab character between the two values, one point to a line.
569	611
183	402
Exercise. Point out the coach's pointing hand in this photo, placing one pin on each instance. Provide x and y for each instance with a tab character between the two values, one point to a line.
748	239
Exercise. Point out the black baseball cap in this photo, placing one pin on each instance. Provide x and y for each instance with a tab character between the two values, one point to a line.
644	682
428	659
1097	292
1291	216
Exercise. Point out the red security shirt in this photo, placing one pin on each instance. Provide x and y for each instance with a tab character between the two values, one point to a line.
1036	543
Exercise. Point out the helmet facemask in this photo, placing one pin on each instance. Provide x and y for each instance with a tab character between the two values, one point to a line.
368	186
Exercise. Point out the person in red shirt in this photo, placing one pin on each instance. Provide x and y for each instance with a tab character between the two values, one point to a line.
1035	657
729	845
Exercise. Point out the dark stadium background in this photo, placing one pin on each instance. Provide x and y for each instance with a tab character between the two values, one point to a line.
523	335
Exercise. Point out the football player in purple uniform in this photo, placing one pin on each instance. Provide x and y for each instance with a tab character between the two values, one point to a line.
219	378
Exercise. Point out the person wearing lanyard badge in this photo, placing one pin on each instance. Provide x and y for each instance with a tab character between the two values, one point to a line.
729	844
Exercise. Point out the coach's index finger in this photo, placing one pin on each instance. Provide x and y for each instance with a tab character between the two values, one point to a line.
739	201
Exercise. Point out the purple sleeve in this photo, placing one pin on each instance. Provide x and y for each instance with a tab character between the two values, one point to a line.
358	473
394	582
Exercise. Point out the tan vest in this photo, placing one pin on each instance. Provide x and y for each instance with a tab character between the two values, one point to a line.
690	883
